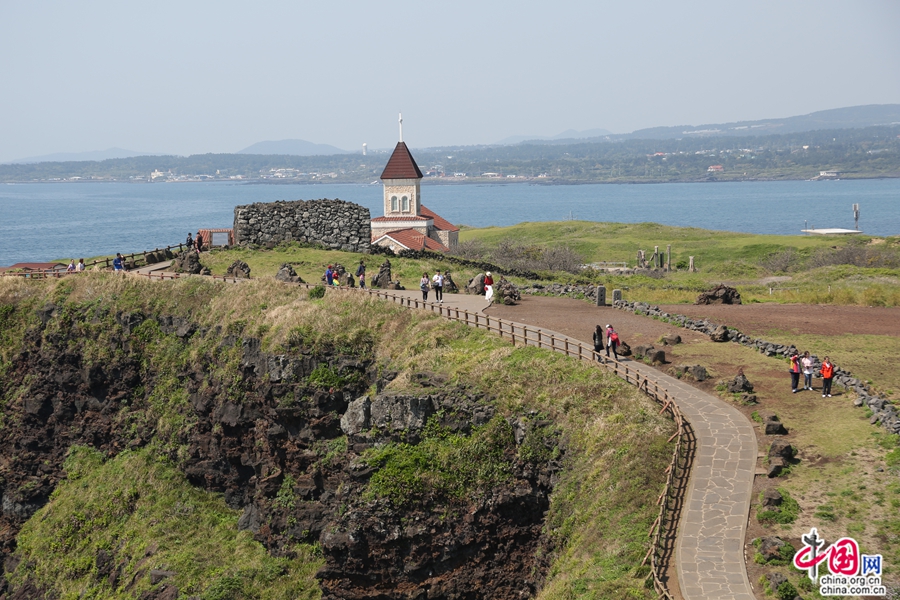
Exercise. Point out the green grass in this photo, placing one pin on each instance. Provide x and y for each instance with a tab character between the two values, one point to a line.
621	241
141	510
442	465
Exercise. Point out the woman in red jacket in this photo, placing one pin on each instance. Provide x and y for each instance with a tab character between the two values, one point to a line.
827	375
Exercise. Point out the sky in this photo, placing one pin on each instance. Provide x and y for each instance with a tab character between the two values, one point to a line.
196	76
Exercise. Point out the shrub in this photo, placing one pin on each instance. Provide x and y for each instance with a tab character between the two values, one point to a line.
317	292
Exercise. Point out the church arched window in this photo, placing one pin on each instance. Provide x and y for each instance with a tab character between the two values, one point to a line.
405	203
394	203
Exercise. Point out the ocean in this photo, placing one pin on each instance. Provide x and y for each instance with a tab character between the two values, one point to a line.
49	221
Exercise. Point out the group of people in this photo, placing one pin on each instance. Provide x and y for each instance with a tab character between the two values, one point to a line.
75	268
436	283
612	341
332	277
195	242
806	365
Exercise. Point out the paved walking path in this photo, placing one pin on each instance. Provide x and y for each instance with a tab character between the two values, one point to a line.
709	555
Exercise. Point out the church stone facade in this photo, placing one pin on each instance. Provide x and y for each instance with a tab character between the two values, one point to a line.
407	224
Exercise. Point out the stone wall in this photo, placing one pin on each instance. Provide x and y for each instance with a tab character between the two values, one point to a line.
335	224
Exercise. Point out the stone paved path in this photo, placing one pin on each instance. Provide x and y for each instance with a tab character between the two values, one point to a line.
709	555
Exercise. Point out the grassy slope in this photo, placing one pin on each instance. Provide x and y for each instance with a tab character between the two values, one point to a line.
599	516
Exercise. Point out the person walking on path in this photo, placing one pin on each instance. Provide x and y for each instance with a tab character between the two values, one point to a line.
489	288
199	242
438	283
598	341
80	266
807	364
71	267
827	374
795	372
361	273
190	242
423	285
612	341
329	276
118	264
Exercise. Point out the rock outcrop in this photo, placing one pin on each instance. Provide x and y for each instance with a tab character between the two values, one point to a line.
721	294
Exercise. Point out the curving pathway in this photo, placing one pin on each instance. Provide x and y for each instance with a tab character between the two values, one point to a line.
709	554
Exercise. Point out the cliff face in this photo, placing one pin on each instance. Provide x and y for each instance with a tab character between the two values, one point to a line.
293	442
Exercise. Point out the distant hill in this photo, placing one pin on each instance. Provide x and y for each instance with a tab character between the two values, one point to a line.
852	117
80	156
292	148
569	134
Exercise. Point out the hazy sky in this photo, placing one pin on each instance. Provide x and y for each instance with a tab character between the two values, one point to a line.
188	77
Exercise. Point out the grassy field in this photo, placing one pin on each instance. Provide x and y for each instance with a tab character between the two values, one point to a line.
600	514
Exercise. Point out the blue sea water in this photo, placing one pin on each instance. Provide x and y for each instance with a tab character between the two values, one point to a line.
49	221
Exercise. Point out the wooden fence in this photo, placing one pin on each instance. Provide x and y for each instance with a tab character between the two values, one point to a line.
138	259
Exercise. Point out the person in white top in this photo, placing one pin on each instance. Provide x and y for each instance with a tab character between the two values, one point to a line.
80	266
438	284
807	363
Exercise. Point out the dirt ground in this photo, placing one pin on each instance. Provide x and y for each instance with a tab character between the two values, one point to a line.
577	318
758	319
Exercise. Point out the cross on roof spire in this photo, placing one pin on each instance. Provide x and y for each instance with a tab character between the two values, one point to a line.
401	127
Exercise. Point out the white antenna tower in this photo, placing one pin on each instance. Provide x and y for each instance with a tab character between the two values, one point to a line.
365	145
401	127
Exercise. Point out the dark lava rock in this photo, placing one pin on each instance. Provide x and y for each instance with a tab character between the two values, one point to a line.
770	547
722	294
239	270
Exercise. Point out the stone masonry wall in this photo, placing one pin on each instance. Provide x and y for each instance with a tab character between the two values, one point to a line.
335	224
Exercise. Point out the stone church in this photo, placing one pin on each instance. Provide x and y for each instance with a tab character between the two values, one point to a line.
407	224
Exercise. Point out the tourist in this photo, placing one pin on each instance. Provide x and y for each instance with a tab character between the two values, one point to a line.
118	264
612	342
489	288
807	364
362	280
329	275
423	285
827	371
361	272
71	267
795	372
438	284
190	242
80	266
199	242
598	341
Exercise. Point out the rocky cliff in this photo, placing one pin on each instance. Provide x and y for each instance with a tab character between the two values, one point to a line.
306	442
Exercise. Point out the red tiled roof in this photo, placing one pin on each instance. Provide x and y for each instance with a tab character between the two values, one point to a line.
412	239
439	221
409	218
401	165
35	266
